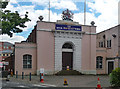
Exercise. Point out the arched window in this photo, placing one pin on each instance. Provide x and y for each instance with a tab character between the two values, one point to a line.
27	61
67	46
99	60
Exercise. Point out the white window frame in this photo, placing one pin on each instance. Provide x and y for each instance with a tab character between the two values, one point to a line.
101	44
107	64
109	43
27	61
99	62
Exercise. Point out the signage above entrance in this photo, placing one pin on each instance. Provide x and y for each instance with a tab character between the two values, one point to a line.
68	27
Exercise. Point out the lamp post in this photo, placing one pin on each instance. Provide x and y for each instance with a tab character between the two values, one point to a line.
49	12
85	12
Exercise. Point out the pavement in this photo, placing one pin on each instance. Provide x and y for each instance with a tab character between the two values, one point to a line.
81	81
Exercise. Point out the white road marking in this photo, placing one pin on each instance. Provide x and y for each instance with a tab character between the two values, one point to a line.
44	85
21	86
48	85
38	85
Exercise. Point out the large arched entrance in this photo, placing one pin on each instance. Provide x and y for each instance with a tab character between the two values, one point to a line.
67	56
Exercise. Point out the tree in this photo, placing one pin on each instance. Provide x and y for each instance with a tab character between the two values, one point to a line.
12	22
115	78
3	3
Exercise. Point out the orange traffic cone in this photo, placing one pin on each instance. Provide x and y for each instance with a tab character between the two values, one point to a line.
42	80
65	82
98	84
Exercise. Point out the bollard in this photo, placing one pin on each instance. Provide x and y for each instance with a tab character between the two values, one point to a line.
30	76
16	74
42	79
40	76
22	75
11	74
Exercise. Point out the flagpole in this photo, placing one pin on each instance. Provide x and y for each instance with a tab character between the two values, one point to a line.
85	12
49	12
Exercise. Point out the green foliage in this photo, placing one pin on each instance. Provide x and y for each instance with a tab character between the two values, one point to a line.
115	77
12	21
3	3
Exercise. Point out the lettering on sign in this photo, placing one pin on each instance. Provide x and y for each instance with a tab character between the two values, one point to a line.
68	27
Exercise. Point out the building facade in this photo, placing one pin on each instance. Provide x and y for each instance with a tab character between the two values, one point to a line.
7	56
55	46
6	49
108	50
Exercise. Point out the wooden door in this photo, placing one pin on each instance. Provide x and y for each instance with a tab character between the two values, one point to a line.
110	66
67	60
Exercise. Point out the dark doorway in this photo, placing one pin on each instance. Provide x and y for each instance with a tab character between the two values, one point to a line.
67	60
110	66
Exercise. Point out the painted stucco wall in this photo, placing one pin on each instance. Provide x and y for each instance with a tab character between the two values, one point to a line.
89	50
118	39
113	51
46	40
106	52
45	47
102	52
45	26
20	50
44	50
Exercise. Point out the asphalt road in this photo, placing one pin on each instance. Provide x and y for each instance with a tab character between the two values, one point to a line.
16	85
51	82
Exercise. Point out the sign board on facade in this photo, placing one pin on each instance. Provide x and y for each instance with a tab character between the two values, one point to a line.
6	63
41	70
68	27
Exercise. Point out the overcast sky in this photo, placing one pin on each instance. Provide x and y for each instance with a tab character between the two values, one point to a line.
103	12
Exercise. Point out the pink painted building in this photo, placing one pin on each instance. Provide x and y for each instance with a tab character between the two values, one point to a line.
55	46
108	50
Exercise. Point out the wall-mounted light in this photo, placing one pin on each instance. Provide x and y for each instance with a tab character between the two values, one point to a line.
114	35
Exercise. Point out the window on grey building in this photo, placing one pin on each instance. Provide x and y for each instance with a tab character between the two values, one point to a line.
27	61
0	54
108	43
100	44
99	60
